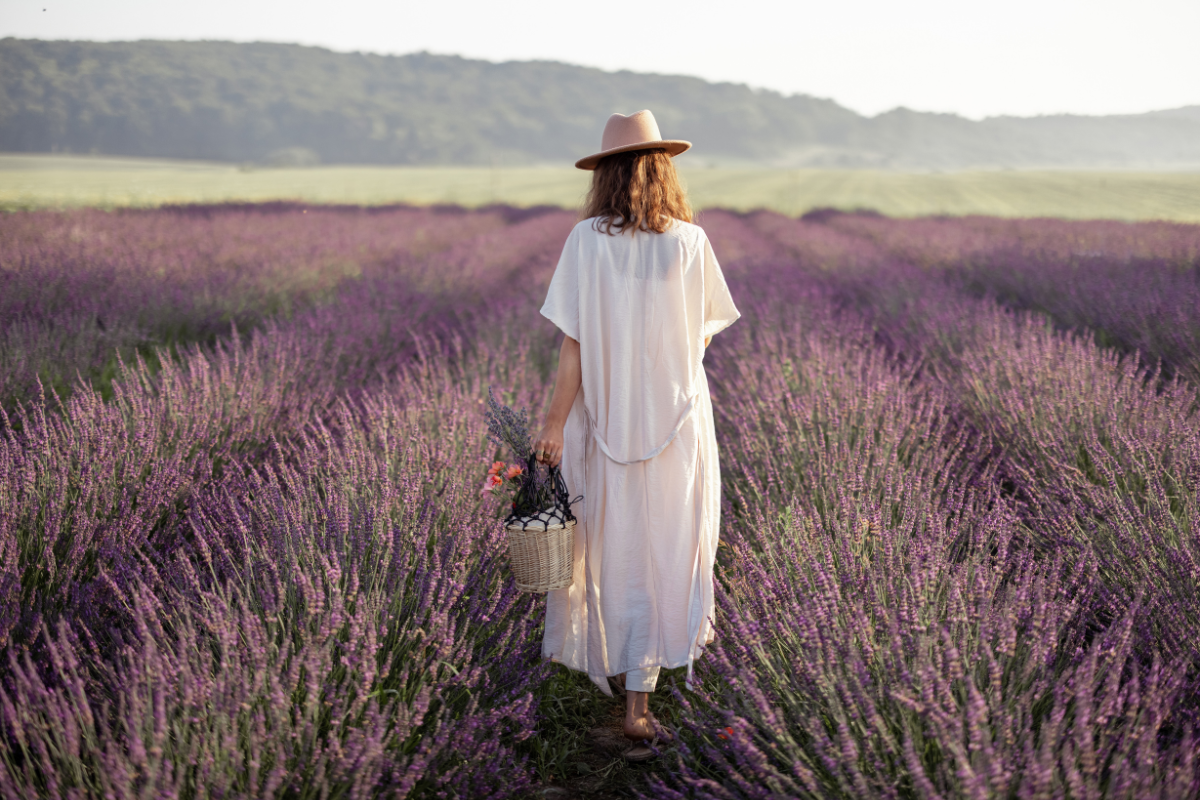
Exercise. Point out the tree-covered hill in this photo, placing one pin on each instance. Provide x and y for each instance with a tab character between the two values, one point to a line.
262	102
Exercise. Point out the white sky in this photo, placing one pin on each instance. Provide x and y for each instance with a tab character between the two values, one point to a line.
978	59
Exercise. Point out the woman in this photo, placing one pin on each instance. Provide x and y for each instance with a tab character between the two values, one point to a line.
639	295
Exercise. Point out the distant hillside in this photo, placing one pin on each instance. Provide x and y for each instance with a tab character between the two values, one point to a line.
290	104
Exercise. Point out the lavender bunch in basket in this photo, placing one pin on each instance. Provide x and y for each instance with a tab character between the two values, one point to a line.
532	489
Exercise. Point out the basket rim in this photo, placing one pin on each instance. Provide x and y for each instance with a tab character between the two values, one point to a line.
557	526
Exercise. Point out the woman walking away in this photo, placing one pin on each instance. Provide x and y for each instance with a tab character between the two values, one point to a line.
639	295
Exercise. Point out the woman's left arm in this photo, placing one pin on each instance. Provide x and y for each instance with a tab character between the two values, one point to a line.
549	445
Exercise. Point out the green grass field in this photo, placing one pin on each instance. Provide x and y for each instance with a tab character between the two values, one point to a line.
36	181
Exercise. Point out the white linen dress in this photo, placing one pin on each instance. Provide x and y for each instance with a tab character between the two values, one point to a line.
641	448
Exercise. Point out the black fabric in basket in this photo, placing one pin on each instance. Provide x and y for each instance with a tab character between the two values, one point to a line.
555	505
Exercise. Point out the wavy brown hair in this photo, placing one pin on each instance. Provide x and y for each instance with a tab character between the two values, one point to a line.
638	189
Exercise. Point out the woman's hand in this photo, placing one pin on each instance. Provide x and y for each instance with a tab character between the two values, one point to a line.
548	447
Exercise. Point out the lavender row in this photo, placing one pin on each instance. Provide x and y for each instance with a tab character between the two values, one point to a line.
227	525
91	483
1099	450
1135	286
337	616
78	289
890	626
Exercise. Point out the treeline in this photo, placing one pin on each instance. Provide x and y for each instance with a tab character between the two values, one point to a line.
236	102
292	104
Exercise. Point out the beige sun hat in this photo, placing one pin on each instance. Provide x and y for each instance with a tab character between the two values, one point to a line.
636	132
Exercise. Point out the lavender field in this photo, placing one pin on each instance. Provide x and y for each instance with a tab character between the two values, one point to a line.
243	550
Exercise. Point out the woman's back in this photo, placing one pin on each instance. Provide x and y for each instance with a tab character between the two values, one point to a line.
636	301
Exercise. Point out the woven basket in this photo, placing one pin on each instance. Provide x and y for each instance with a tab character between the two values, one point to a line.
541	554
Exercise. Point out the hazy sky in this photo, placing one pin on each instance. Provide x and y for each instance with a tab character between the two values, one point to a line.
979	59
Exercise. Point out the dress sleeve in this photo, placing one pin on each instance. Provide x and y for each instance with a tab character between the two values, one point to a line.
719	310
562	299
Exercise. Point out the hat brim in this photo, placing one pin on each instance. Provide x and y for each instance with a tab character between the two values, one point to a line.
673	147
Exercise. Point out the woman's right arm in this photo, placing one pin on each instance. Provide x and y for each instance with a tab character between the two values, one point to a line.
570	377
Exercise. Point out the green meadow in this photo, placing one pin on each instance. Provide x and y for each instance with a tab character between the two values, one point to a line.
41	181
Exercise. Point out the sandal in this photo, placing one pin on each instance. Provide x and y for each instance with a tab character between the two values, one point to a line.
639	753
645	749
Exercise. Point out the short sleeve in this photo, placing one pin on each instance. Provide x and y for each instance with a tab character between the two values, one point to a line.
562	299
719	310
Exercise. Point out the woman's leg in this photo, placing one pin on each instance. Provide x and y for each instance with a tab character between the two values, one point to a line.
639	683
637	716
